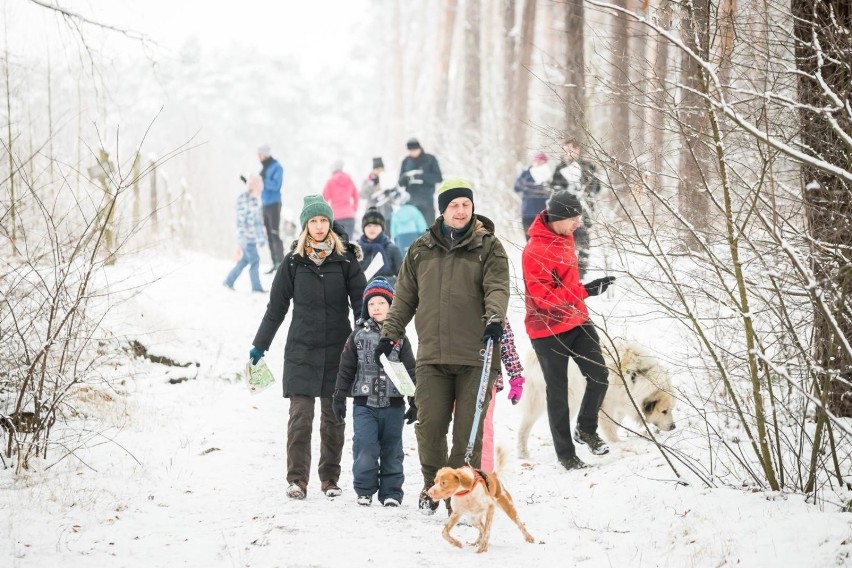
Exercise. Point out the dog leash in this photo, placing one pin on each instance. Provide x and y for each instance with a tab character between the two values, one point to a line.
480	398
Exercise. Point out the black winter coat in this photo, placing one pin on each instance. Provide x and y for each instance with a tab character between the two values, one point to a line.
430	176
323	298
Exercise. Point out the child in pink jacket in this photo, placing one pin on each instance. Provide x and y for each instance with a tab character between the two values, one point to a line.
509	357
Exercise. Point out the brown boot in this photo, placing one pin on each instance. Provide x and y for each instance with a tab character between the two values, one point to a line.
297	490
331	489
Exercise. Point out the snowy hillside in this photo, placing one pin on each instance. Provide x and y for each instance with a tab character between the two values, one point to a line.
193	473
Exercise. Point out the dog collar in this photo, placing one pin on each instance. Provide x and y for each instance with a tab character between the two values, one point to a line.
479	476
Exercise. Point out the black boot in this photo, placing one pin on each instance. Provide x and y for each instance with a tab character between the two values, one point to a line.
426	504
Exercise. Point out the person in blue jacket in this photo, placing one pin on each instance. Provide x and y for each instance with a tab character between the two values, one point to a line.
534	194
273	176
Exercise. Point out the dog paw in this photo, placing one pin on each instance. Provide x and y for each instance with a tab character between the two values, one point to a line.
481	549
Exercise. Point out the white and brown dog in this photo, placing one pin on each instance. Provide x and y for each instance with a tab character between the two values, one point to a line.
647	380
475	494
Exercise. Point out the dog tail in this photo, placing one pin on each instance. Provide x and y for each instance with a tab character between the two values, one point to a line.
500	460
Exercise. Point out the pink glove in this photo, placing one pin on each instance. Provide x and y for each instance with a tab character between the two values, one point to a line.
516	390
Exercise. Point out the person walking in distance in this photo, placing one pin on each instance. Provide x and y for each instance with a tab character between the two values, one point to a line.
577	175
534	188
249	234
270	198
454	283
419	174
558	325
341	194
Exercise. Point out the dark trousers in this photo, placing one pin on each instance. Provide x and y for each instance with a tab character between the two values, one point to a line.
527	220
583	345
272	224
440	389
425	202
348	226
377	451
582	244
299	430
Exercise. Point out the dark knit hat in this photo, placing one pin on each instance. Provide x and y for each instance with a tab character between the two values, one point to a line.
373	216
378	163
314	206
451	189
413	144
563	205
378	286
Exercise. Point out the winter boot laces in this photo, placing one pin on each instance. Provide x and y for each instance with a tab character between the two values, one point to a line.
596	445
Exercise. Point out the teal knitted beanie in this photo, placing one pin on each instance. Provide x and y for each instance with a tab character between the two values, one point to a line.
315	206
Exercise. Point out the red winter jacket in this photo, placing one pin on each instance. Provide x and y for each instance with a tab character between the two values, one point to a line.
554	295
341	194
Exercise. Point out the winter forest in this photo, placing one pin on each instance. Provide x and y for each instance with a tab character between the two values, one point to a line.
721	133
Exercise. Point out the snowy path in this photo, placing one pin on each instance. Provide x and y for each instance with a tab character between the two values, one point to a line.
192	474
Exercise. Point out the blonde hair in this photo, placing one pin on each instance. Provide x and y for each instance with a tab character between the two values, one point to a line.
339	247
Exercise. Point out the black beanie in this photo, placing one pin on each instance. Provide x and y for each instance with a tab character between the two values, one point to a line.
413	144
563	205
378	163
373	216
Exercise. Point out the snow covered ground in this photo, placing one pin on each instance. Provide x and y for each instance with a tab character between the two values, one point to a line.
193	473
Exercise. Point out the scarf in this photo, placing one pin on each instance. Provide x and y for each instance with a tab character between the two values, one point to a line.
318	251
370	248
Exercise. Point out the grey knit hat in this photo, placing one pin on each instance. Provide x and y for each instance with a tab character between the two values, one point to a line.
315	206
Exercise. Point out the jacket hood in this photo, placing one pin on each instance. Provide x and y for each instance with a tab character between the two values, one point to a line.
539	229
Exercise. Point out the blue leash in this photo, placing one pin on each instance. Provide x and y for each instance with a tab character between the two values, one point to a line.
480	397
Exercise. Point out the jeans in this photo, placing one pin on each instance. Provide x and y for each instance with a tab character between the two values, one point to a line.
272	223
377	451
348	226
249	258
582	345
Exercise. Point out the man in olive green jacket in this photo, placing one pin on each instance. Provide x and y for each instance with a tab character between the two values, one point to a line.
455	280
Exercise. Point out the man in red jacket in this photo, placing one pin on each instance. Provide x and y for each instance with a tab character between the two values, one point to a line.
558	324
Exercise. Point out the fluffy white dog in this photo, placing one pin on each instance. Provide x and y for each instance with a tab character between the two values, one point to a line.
631	367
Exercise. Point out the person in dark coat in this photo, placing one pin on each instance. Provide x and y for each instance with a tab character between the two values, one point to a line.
323	279
577	175
534	193
419	174
374	241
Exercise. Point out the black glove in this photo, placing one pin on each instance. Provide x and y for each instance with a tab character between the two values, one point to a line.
411	413
494	331
338	406
384	347
599	285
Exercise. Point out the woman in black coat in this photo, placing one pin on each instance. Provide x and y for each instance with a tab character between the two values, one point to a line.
323	279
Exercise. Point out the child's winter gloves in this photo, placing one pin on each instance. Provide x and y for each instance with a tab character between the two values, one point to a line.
493	331
255	355
338	406
411	413
599	285
516	389
384	347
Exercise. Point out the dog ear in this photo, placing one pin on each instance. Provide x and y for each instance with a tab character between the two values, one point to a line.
649	406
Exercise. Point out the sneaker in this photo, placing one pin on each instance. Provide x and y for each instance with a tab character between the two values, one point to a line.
573	463
297	490
331	489
391	502
596	445
366	500
426	504
228	286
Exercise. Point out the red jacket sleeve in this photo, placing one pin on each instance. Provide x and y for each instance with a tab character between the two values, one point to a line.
544	285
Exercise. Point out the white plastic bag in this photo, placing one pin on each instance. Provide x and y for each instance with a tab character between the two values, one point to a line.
258	377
